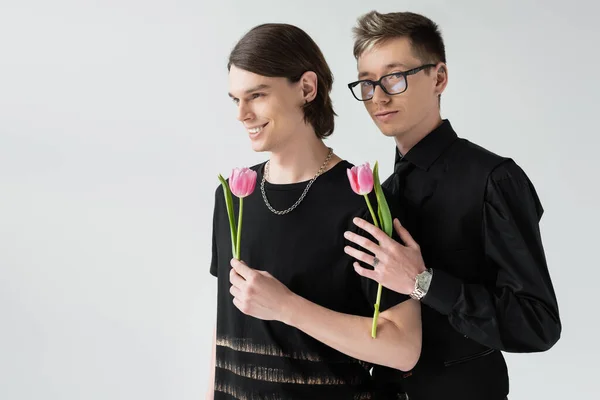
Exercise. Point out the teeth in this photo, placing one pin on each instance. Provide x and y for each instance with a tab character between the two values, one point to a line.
255	130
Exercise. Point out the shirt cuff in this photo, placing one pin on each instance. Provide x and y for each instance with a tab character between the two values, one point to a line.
443	292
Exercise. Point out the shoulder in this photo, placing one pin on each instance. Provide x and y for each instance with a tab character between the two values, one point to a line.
475	155
508	169
335	189
337	174
478	165
257	167
344	164
509	179
509	185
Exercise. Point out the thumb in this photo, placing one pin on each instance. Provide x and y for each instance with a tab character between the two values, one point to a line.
241	268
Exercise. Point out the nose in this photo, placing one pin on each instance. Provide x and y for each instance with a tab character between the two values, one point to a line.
379	96
244	112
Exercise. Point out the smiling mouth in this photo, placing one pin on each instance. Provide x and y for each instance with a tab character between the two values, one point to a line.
257	129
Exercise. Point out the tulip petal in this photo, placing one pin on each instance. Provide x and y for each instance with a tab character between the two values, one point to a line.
353	179
365	179
243	182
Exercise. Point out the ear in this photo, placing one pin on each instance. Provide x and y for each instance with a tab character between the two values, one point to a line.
441	78
308	84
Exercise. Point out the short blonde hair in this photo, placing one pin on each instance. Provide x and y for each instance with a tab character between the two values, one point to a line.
425	37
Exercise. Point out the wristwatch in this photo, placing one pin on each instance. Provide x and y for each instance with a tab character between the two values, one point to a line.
422	282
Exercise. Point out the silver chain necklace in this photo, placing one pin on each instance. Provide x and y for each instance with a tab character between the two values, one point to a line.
266	174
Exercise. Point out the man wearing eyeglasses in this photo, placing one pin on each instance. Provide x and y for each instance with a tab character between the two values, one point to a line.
479	270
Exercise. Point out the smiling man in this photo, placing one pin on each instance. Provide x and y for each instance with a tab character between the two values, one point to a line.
481	272
294	320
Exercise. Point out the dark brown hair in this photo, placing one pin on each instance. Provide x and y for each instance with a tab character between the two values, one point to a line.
424	34
286	51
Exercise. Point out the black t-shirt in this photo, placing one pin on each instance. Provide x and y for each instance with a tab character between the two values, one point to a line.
258	359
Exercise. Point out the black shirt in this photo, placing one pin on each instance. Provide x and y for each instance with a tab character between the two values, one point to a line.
475	216
258	359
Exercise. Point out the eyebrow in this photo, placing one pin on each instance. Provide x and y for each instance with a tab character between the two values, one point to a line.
387	67
253	89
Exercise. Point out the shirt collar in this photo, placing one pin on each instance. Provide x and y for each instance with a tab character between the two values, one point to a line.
430	148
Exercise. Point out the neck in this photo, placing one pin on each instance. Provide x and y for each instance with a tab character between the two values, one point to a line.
407	140
298	161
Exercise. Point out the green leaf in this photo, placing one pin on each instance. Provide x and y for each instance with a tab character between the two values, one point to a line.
379	215
383	210
229	203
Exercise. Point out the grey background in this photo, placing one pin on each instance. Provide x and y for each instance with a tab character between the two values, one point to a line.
115	121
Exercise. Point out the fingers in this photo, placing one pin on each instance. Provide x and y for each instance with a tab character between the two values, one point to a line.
241	268
367	273
236	279
377	233
361	241
235	292
359	255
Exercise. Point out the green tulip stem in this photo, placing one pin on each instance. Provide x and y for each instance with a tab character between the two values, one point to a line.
239	229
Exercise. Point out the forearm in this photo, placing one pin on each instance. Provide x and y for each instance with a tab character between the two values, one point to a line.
398	343
498	317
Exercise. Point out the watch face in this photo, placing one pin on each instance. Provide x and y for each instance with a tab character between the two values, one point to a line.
424	279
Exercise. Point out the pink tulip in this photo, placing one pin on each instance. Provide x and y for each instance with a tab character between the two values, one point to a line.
242	182
361	179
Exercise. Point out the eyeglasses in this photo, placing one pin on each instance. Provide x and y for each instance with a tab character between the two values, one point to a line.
391	84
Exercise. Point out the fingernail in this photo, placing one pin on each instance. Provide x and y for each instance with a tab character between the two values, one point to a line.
346	234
